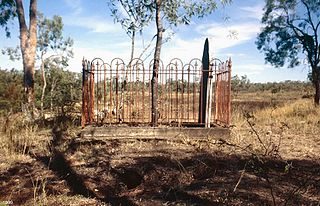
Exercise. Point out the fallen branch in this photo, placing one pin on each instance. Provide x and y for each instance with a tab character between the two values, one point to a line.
241	176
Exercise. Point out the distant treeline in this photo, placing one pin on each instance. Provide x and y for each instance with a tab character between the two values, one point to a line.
243	84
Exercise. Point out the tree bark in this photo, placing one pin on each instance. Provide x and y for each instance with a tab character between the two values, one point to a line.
44	84
316	83
317	94
133	37
53	85
28	42
154	83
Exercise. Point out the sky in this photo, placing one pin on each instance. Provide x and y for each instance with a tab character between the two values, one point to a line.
95	34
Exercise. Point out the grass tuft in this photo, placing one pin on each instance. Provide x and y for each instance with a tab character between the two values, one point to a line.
20	137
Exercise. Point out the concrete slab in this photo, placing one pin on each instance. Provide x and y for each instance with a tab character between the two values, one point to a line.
170	133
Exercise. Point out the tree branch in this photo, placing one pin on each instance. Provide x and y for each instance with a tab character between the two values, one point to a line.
22	24
313	28
301	37
318	57
147	47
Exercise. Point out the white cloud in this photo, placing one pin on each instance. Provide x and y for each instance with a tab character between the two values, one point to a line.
93	23
250	68
254	12
219	39
223	36
75	5
228	54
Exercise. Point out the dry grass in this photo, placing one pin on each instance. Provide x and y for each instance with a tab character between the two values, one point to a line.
301	116
64	200
18	137
291	129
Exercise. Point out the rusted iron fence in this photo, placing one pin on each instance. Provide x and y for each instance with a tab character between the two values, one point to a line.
222	100
115	92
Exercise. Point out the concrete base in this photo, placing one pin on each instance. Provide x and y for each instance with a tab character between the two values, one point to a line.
169	133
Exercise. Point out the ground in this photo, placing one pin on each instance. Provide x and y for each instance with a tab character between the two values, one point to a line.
265	161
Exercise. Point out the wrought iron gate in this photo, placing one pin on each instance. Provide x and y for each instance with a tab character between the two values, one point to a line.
115	92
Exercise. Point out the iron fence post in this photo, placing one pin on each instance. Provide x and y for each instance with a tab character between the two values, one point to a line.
229	90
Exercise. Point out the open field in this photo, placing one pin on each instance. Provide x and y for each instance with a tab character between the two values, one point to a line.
271	158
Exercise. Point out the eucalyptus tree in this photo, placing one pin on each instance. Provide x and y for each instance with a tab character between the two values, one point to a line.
52	46
291	30
133	16
14	9
174	12
64	87
138	13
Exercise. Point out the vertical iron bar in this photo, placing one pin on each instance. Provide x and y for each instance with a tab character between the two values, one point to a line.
143	103
171	92
117	92
229	91
136	96
150	96
163	95
91	65
97	92
104	90
188	90
182	99
132	99
84	92
177	95
127	73
194	94
110	94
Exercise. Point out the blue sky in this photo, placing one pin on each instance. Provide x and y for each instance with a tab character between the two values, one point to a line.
95	35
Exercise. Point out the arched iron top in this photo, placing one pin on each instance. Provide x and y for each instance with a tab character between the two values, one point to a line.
135	61
152	63
215	59
188	69
171	64
117	59
135	65
195	60
177	60
195	64
97	58
104	66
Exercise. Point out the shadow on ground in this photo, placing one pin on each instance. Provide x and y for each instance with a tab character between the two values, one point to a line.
115	173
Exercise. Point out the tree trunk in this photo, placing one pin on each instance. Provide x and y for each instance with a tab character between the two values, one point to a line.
28	43
156	63
316	83
53	85
317	94
51	99
44	84
133	37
